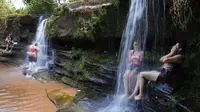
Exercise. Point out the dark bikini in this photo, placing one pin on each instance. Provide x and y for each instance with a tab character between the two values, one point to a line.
165	74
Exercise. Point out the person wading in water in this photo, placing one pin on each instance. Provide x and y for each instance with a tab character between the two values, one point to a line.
32	56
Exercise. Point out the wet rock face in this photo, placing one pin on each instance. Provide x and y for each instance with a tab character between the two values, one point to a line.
23	29
77	69
160	99
21	26
70	22
88	25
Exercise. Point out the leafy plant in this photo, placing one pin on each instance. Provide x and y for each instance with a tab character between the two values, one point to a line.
5	8
16	24
51	28
181	13
86	27
40	6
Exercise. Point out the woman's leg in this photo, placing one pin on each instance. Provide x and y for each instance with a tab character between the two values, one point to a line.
151	76
131	80
6	47
126	83
11	48
136	90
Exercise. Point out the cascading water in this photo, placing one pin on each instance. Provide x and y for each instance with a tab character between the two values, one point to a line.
136	29
42	42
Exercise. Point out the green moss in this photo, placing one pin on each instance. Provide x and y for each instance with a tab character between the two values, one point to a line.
72	108
60	98
16	24
115	2
56	77
51	27
96	57
70	81
3	24
76	68
87	27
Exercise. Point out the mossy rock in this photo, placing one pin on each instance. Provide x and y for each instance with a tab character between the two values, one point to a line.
72	108
60	98
69	81
45	76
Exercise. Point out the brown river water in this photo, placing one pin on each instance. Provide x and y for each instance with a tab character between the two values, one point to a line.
20	94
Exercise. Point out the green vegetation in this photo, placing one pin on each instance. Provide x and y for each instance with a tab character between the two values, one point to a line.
87	27
6	8
32	7
77	64
16	24
3	24
83	27
191	87
181	13
51	28
40	6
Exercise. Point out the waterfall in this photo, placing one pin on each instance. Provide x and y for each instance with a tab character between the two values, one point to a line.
42	42
136	29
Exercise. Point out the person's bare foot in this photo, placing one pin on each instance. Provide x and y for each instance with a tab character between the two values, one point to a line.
132	96
139	97
135	94
125	96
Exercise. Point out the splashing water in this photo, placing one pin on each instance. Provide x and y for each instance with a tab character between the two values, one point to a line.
42	42
136	29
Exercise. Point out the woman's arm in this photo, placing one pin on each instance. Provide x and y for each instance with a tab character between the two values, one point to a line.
130	53
166	56
172	52
173	59
141	56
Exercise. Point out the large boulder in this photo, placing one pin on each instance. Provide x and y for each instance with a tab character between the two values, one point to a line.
88	24
85	20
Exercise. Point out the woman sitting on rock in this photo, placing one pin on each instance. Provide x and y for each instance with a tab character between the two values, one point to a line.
10	43
135	58
172	64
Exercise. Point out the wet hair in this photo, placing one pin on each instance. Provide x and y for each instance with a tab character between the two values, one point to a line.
10	36
133	43
138	45
183	47
36	44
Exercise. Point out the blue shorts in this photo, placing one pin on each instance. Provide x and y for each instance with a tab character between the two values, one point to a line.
32	59
134	67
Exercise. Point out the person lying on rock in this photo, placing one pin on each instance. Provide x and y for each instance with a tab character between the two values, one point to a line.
171	65
135	58
10	43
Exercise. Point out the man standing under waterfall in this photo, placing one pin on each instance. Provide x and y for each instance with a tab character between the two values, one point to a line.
32	55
